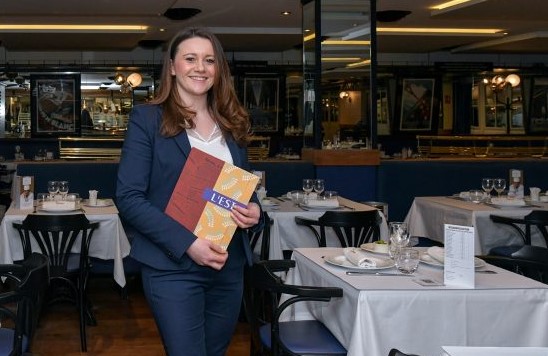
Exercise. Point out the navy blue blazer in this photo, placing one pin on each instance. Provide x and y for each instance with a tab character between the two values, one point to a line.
149	168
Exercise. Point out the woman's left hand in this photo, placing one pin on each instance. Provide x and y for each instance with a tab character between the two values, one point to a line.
246	217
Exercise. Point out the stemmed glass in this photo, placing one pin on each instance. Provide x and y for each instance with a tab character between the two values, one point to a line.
319	186
487	185
399	238
499	184
308	186
53	188
63	188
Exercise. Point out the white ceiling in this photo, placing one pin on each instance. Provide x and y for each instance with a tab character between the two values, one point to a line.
257	26
254	26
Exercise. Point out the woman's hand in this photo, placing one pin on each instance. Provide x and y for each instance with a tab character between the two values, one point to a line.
207	253
246	217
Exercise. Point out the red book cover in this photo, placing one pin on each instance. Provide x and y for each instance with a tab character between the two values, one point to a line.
205	193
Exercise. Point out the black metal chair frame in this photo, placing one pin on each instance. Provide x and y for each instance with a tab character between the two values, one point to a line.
538	218
55	236
353	228
263	289
22	303
529	261
264	236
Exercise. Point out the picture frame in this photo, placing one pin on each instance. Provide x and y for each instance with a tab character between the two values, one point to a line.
55	105
261	99
417	104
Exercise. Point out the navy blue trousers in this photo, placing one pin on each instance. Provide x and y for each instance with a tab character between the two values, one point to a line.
196	309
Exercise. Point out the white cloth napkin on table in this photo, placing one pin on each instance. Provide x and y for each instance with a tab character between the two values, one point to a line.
359	258
509	202
437	253
328	203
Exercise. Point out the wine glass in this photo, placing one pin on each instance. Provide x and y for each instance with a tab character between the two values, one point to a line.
399	237
487	186
63	188
53	188
499	184
308	186
319	186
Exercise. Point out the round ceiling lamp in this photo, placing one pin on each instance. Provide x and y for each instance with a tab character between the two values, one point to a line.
134	79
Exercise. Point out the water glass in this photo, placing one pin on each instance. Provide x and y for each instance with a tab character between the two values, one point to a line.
308	185
407	260
399	238
53	188
499	184
319	186
477	196
63	188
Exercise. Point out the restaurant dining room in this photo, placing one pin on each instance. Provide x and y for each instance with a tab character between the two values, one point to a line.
382	189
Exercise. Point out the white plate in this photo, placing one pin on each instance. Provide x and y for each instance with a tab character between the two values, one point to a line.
100	203
370	247
319	208
508	206
427	259
267	202
341	261
58	211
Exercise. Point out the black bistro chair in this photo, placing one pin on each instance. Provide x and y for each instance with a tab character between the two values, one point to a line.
21	301
269	335
529	261
353	228
55	235
523	227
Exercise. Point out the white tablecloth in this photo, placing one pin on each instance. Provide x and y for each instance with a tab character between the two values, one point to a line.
427	217
377	313
285	234
109	241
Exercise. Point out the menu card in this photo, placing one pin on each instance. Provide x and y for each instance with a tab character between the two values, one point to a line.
459	270
205	193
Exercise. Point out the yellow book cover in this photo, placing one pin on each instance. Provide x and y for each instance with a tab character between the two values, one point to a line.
205	193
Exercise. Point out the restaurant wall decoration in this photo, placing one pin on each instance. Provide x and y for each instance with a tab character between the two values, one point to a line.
417	101
261	99
55	105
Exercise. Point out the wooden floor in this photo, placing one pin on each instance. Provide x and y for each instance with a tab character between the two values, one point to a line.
125	327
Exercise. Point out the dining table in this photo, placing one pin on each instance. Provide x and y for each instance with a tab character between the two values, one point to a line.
109	240
428	215
286	235
384	309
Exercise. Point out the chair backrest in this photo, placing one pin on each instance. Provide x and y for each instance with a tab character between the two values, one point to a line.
539	218
31	280
264	236
353	228
530	261
263	289
55	236
396	352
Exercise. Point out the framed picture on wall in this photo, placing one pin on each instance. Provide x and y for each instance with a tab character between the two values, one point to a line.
416	104
261	99
55	105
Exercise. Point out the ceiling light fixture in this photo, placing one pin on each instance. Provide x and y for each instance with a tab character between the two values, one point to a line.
359	64
447	4
499	82
343	43
72	28
440	31
340	59
286	13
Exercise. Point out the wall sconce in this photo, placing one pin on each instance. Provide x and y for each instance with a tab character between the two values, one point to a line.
499	82
345	95
119	78
127	84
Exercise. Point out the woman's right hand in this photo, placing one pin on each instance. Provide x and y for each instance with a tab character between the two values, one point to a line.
207	253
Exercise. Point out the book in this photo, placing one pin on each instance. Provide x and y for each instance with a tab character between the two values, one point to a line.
205	193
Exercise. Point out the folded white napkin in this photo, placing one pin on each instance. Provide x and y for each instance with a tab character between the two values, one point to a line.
464	195
509	202
359	258
437	253
59	205
328	203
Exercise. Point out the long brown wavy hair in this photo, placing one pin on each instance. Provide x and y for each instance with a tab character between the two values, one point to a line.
226	109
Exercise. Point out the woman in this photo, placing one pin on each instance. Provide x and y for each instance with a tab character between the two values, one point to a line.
193	286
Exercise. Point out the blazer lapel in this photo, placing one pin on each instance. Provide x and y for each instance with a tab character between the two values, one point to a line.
183	143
